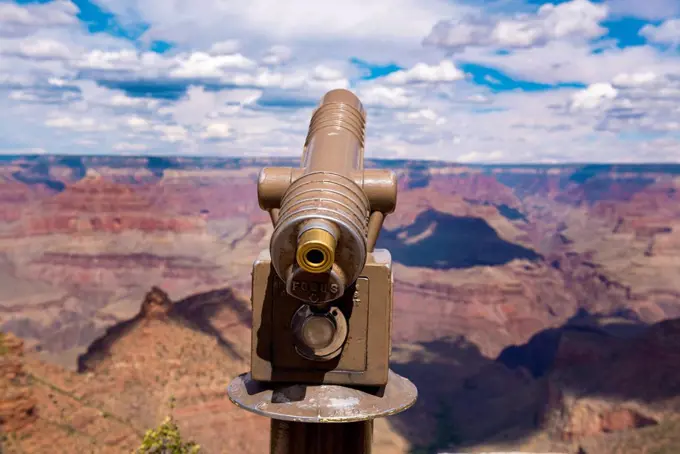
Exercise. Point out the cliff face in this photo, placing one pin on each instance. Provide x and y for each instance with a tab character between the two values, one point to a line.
606	385
95	204
128	377
17	402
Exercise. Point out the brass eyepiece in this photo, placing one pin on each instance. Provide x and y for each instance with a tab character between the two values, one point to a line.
316	251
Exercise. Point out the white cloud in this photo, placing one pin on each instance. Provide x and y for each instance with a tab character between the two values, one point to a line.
382	96
197	106
138	123
324	73
83	124
20	151
127	146
94	96
593	96
641	105
202	65
172	133
577	20
112	60
565	62
26	19
227	47
204	21
666	33
39	49
422	116
216	131
635	79
277	55
445	71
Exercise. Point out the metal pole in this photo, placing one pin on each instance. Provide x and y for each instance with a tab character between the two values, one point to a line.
289	437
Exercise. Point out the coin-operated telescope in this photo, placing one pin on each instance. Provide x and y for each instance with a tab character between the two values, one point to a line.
322	292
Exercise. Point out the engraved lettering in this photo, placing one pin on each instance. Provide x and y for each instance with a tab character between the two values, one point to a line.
295	285
304	286
334	288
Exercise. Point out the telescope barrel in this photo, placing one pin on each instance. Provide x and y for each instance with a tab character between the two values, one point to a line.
321	224
335	139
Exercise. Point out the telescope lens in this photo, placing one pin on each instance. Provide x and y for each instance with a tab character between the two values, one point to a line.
318	332
316	257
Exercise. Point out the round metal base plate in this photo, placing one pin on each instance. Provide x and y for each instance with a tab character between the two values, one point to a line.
322	403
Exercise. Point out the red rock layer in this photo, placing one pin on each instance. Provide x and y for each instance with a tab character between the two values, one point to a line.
214	197
95	204
17	402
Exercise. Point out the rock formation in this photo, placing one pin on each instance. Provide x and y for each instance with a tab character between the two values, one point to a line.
17	402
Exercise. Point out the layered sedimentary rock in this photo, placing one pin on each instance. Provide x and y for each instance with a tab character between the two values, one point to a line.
95	204
215	195
17	401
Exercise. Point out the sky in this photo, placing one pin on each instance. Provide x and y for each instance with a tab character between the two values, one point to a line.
470	81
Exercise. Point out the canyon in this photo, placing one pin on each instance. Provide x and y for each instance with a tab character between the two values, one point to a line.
516	288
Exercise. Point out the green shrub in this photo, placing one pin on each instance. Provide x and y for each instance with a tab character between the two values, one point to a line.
166	439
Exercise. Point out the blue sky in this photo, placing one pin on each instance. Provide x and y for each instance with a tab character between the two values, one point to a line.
466	81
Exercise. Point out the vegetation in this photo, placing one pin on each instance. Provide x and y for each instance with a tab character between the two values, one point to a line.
166	439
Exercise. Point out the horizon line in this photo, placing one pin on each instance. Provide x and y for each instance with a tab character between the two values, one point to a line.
8	156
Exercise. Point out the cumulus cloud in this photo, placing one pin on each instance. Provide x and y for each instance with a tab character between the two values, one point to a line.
82	124
172	133
634	104
202	21
666	33
422	116
566	62
635	79
577	20
202	65
445	71
277	55
227	47
38	49
127	147
137	123
593	96
383	96
216	131
26	19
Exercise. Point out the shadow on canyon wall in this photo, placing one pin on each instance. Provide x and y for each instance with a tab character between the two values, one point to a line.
195	312
444	241
467	399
